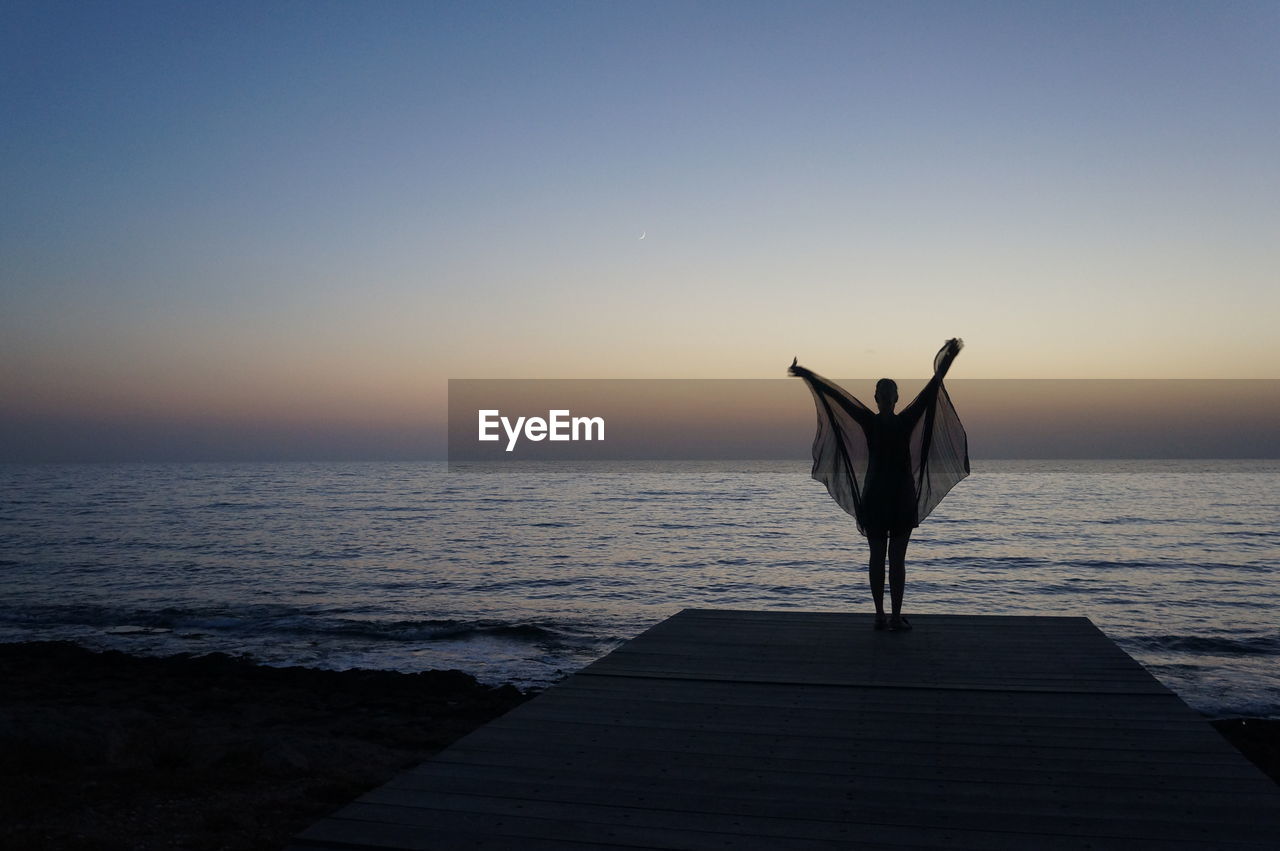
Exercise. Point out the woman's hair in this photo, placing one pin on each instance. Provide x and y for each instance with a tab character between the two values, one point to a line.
886	386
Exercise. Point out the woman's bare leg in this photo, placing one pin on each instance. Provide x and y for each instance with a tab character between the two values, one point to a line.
897	570
879	545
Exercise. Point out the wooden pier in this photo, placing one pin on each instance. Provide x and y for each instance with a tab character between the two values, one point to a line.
746	729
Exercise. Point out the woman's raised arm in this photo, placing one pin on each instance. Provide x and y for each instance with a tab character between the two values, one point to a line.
942	360
832	393
941	363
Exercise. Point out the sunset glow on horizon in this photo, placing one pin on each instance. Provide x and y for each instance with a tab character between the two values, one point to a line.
299	220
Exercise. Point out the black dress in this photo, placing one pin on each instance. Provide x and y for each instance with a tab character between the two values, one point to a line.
888	470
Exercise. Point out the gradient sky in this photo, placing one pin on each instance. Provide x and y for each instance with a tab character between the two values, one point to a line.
302	218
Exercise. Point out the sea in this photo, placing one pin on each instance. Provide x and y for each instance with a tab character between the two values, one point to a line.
528	574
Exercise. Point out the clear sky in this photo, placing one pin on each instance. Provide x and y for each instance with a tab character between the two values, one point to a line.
302	218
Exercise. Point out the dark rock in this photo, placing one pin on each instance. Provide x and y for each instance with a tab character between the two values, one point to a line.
107	750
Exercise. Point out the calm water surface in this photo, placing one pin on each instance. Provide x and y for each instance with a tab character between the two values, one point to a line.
528	576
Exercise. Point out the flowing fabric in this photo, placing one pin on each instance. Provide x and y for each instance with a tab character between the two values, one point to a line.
888	471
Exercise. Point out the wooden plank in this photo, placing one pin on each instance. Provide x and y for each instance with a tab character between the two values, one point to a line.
827	821
409	827
856	720
594	734
697	767
781	792
784	780
974	703
735	729
913	763
882	706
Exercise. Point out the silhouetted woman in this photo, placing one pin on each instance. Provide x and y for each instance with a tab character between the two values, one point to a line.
888	470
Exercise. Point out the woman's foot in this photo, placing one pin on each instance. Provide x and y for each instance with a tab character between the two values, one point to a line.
899	623
882	622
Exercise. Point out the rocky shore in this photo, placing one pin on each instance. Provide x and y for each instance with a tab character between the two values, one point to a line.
107	750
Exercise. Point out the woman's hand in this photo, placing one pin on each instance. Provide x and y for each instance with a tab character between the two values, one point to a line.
795	369
942	361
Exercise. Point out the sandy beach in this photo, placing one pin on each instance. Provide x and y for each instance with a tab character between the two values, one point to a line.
107	750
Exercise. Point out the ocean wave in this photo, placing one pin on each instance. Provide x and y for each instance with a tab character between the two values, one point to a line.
1125	520
429	630
267	621
1260	645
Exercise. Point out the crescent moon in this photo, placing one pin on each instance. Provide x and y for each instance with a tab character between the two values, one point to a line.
642	233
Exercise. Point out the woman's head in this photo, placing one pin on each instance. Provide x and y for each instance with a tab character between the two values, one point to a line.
886	394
